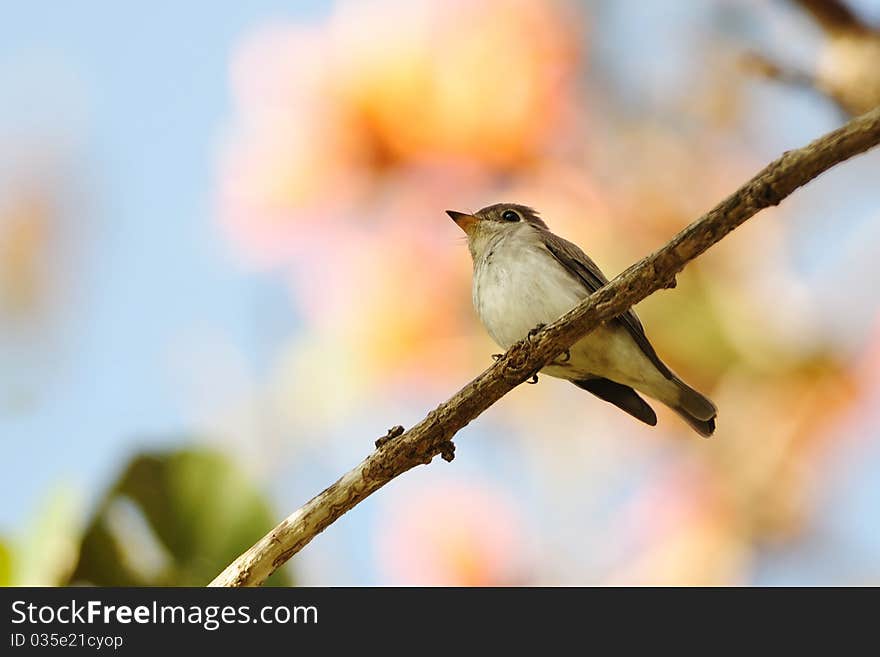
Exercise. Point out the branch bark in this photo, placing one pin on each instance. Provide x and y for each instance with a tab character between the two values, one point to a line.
400	451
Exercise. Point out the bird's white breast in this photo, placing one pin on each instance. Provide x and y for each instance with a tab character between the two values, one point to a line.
517	285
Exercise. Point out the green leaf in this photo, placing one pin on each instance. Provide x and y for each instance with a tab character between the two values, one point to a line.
174	519
5	564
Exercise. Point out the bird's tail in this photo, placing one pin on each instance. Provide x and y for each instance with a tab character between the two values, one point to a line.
695	409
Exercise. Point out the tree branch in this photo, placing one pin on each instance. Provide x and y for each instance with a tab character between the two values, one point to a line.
757	63
846	70
833	16
400	451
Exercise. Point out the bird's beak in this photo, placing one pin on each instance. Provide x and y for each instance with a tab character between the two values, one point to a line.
463	220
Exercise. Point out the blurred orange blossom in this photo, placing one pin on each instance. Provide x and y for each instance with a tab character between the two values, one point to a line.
329	114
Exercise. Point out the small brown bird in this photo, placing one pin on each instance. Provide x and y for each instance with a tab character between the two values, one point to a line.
525	276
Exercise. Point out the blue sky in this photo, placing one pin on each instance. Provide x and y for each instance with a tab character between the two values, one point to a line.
138	93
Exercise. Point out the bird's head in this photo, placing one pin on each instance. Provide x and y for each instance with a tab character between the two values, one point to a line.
483	226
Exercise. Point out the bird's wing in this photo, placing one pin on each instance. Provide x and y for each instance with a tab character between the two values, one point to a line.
579	265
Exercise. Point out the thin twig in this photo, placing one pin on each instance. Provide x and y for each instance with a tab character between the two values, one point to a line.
433	435
757	63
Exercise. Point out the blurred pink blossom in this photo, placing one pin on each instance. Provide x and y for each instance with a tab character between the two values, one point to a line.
455	533
331	118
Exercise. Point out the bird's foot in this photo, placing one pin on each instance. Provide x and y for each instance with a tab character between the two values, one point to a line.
535	331
533	380
497	357
393	432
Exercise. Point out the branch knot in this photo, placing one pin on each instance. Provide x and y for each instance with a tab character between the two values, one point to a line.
447	451
766	194
393	432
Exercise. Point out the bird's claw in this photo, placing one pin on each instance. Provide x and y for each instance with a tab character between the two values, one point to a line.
497	357
533	380
535	331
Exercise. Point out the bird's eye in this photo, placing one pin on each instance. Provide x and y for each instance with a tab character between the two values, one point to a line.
510	215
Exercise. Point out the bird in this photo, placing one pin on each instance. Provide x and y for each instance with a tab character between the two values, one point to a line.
525	277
